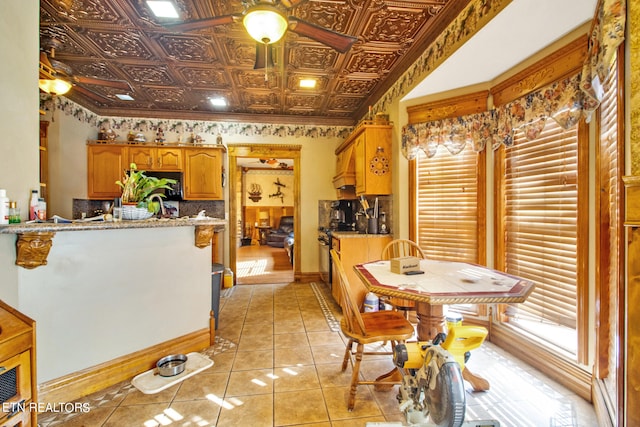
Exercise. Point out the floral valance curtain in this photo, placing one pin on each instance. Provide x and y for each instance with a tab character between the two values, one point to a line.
560	101
564	101
607	32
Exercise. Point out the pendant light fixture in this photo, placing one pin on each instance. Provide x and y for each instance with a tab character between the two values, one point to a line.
265	24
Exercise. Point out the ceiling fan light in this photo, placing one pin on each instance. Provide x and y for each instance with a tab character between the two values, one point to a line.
265	24
55	86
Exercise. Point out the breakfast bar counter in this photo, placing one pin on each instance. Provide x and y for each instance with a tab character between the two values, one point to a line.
110	298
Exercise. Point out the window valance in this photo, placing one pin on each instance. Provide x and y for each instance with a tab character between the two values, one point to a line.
607	32
560	101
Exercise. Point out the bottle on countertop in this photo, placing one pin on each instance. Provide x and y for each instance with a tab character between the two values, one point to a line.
42	209
4	207
14	213
33	206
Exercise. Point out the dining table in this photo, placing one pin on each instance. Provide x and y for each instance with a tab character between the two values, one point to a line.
440	283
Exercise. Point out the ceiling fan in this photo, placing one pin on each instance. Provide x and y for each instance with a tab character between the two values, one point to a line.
57	78
266	22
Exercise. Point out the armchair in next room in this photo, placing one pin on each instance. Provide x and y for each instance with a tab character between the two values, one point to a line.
277	237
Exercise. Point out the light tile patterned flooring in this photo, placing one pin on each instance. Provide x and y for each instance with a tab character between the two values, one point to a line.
277	362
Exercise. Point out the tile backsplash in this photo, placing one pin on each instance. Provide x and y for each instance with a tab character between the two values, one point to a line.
213	208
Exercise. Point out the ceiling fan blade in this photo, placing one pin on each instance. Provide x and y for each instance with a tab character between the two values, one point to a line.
45	59
204	23
263	56
291	3
116	84
89	94
340	42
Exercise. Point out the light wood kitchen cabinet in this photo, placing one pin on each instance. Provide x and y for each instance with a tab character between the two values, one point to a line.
106	164
363	162
17	368
354	248
156	158
203	174
372	153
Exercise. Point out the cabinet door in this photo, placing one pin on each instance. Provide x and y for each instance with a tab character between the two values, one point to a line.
106	164
203	174
168	159
360	151
142	157
373	161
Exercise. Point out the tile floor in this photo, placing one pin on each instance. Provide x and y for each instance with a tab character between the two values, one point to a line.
277	363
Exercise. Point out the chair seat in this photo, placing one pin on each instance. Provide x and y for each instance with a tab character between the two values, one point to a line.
381	326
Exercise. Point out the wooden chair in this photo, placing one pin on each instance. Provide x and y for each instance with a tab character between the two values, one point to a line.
395	249
365	328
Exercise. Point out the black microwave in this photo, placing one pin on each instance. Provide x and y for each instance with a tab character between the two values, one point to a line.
175	192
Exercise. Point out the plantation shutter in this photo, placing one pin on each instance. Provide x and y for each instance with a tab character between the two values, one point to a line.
541	201
447	205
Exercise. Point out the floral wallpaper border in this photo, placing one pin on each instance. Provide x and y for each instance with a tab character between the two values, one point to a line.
124	125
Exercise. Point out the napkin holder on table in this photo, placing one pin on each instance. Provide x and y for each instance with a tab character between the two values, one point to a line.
404	264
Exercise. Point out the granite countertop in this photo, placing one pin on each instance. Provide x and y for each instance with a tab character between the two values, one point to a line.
355	234
50	226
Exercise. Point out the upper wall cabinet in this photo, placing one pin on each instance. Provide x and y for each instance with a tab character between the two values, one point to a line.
203	174
105	165
156	158
201	168
364	161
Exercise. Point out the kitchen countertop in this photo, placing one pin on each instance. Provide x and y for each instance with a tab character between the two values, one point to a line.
218	224
355	234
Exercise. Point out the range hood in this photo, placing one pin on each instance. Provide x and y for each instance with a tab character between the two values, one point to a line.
345	169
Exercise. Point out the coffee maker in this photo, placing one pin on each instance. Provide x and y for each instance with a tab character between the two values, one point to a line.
342	215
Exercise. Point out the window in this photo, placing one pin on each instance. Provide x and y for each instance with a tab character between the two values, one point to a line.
541	230
447	205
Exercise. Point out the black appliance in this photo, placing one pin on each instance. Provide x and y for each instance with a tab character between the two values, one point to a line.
175	192
343	215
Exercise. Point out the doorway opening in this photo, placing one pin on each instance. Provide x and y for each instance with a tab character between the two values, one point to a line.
264	212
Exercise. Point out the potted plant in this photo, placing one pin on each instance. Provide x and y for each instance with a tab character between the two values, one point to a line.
139	190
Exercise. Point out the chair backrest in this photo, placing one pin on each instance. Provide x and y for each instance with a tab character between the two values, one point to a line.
350	311
401	248
286	224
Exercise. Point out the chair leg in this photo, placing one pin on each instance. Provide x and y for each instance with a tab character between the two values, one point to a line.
347	355
355	379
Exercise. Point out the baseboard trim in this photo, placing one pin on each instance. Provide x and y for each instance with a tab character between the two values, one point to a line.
307	277
82	383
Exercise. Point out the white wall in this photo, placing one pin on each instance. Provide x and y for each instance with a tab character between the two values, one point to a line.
109	293
19	153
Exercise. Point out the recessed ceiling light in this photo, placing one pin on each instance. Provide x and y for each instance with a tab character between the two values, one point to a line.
218	102
163	8
124	97
308	83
